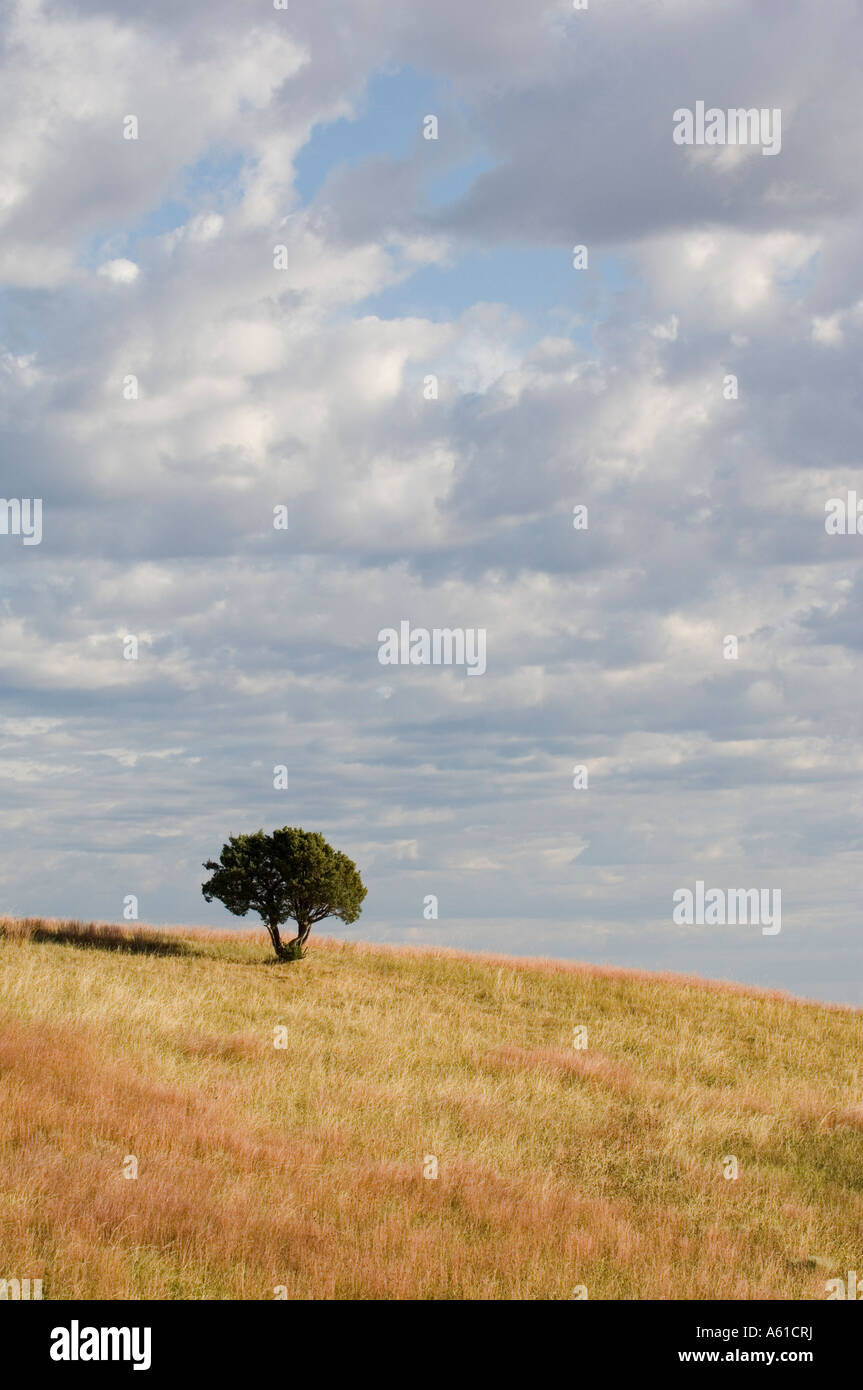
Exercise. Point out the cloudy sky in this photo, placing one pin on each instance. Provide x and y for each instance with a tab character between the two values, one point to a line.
165	385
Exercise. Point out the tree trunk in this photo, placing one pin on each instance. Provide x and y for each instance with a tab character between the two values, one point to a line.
303	929
278	947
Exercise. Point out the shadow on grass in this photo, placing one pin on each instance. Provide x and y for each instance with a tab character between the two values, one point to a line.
94	936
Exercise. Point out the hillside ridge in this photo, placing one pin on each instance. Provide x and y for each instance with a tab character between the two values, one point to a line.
183	1116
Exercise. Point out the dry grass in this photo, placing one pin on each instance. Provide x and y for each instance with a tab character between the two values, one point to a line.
303	1168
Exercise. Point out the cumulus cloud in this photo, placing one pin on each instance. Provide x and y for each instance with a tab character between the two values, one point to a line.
121	271
191	342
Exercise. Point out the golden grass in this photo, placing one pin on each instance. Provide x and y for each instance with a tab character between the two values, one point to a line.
261	1167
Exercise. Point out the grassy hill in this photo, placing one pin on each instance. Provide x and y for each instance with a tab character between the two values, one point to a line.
301	1167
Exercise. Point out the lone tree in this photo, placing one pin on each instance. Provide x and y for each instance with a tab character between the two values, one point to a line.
291	873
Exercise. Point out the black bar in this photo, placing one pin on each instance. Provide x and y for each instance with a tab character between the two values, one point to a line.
228	1339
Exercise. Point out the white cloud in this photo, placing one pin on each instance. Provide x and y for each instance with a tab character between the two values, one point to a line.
120	272
259	387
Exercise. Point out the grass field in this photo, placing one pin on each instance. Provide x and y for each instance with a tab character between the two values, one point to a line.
301	1168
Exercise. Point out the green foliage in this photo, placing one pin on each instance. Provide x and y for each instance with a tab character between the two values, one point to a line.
292	873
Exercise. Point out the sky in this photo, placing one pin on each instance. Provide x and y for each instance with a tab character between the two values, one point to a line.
271	290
